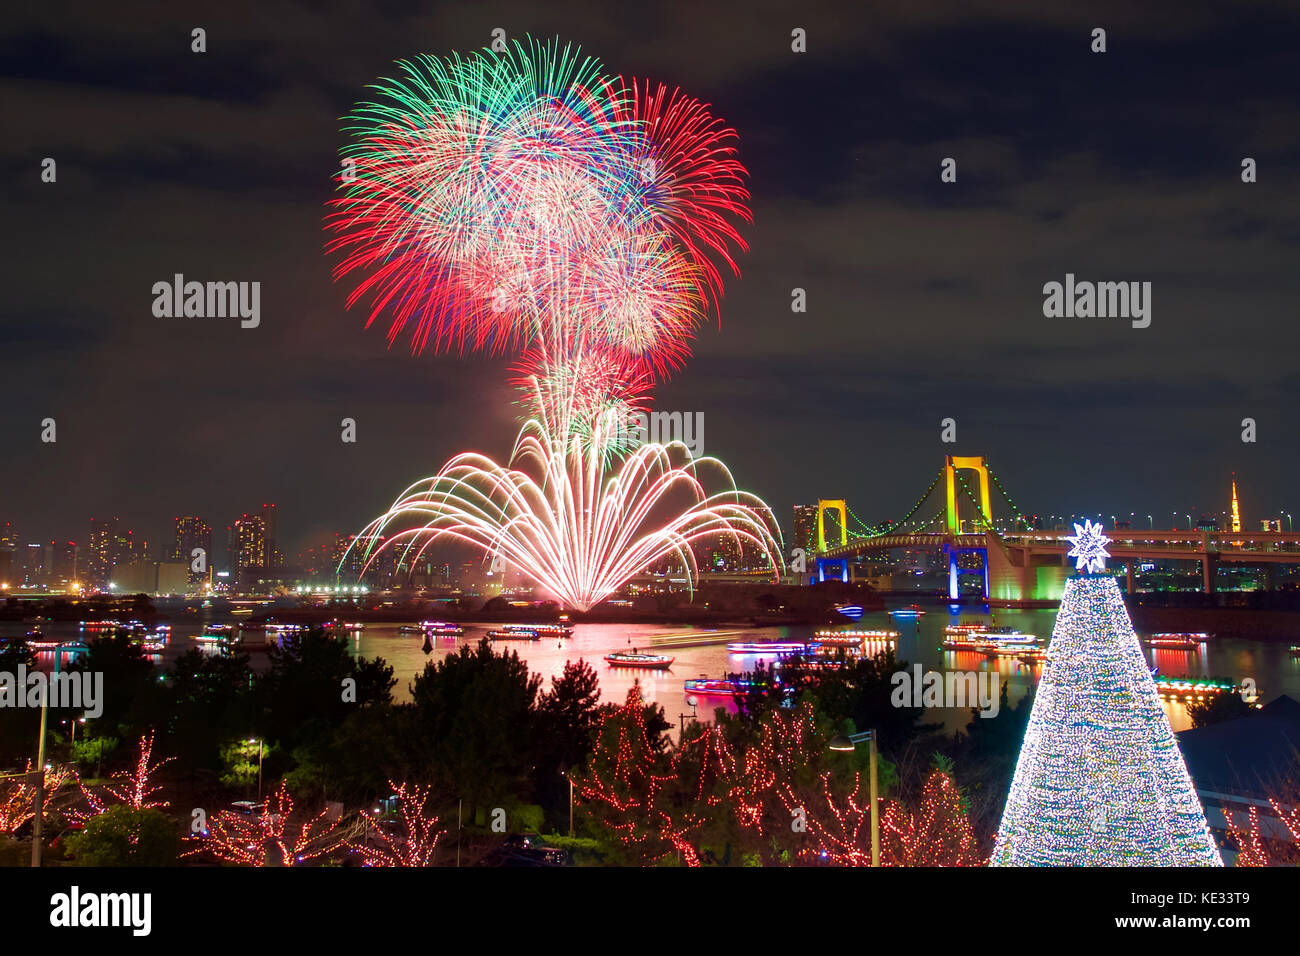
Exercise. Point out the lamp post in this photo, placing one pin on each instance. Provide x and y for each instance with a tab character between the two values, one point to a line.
850	742
691	702
1152	522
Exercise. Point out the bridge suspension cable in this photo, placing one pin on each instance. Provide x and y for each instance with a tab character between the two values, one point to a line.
887	527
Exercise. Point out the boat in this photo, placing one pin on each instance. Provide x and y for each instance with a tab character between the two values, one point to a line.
1193	688
513	632
851	637
1007	645
717	687
547	630
37	640
977	627
909	612
98	625
1034	655
1295	650
214	634
436	628
1182	642
635	659
769	647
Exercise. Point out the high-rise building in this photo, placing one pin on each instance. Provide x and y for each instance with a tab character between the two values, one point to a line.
272	557
61	558
248	547
193	534
108	547
99	551
32	572
805	528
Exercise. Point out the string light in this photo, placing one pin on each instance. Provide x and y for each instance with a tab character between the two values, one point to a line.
274	837
17	797
128	787
420	832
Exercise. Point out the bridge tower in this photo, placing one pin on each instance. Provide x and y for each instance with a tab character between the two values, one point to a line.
838	506
974	463
832	569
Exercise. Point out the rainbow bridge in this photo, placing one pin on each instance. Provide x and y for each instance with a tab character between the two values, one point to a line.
1016	563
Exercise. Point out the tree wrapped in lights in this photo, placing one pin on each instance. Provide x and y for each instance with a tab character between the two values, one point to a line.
18	794
129	787
1100	780
277	837
937	833
1280	845
624	786
419	836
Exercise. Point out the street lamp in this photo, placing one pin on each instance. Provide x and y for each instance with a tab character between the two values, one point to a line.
850	742
691	702
1152	522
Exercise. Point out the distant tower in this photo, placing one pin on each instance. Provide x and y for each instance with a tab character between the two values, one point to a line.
1236	510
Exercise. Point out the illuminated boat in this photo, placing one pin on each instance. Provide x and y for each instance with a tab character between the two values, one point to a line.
442	628
1295	650
717	687
908	613
1194	688
1007	645
1032	656
547	630
851	637
967	628
1182	642
98	625
852	611
769	647
634	659
514	632
410	629
214	634
37	640
349	625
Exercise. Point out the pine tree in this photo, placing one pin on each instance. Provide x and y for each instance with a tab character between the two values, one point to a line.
1100	780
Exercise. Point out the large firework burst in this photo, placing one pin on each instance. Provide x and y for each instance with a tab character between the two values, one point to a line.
525	201
573	516
504	200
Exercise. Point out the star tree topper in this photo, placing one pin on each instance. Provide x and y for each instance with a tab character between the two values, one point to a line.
1089	547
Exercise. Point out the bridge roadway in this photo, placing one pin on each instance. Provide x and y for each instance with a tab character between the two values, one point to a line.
1017	551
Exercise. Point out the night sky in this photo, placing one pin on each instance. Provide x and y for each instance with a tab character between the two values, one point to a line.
924	298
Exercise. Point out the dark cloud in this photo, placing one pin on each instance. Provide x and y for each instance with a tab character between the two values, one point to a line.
924	298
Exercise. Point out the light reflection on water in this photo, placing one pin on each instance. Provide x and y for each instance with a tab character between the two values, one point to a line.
1275	670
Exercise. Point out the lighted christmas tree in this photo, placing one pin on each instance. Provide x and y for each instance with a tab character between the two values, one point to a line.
1100	780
